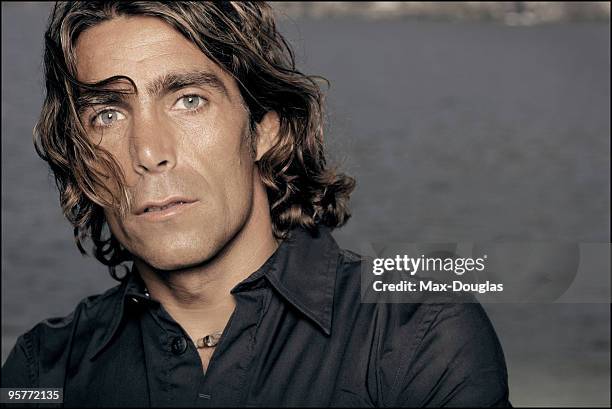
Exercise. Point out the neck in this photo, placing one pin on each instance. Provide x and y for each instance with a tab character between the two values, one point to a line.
199	298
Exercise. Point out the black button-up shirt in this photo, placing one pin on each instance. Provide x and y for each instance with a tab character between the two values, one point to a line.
299	336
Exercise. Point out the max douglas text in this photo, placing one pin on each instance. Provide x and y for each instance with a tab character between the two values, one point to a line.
411	286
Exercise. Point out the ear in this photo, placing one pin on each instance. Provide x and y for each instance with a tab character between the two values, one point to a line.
267	133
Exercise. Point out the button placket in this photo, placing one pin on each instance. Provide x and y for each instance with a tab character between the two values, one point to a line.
227	372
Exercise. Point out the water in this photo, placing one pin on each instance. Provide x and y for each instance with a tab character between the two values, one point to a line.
455	131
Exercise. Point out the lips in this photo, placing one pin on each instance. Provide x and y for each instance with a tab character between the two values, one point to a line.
157	208
162	205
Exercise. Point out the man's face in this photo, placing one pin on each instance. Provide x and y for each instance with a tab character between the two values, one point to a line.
180	140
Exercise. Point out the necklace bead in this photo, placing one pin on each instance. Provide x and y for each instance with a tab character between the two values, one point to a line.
209	340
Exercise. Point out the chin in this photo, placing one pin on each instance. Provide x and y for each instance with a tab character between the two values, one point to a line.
180	254
170	262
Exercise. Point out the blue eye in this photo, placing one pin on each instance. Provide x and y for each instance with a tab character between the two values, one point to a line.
191	102
107	117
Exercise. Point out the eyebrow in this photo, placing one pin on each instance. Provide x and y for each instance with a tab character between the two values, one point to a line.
95	94
173	81
92	97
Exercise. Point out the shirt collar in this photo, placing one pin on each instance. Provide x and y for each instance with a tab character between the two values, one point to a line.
302	270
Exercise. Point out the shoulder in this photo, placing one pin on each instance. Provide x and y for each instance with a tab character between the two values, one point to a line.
440	349
46	344
87	311
441	353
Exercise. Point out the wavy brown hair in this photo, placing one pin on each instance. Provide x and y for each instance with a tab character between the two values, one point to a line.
242	39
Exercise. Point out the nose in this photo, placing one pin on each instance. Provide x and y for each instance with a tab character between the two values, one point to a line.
153	147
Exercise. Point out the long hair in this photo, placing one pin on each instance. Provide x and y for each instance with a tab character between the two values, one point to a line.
243	40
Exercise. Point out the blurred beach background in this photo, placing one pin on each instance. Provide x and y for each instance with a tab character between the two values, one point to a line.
461	122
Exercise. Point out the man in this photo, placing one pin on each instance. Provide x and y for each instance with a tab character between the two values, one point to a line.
184	141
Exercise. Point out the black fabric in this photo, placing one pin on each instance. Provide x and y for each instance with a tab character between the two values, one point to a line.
299	336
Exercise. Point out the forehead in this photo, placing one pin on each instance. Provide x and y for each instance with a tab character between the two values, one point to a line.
142	48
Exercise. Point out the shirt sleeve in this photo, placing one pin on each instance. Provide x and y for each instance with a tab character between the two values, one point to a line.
18	370
453	359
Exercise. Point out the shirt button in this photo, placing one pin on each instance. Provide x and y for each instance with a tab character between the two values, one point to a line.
178	345
134	300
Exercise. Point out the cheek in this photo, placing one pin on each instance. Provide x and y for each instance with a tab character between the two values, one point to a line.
117	228
232	179
239	191
117	153
220	152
